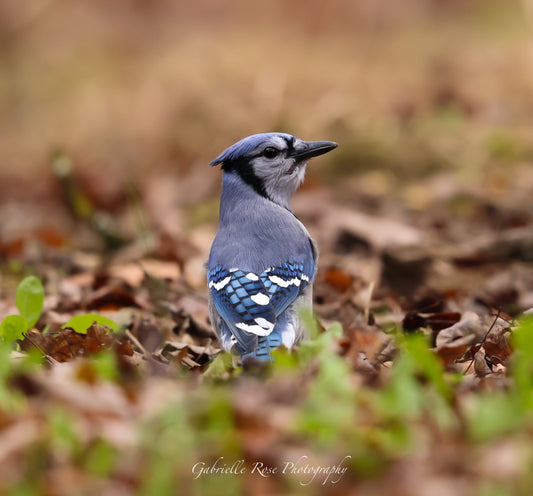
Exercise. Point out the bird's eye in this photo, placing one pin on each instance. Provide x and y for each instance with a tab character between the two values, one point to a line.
270	152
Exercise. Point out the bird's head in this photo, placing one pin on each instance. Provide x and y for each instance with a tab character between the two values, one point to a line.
272	163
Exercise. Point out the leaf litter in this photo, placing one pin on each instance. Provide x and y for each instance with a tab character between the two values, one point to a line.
100	391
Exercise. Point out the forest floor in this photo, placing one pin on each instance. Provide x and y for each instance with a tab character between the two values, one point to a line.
416	379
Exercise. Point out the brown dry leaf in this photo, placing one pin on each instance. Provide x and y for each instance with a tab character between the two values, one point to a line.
511	244
68	344
405	269
112	298
161	269
497	344
439	321
255	426
149	335
338	279
413	321
435	321
378	231
369	340
75	283
481	367
123	348
11	248
17	437
362	347
124	353
130	273
450	352
104	398
187	354
453	342
51	236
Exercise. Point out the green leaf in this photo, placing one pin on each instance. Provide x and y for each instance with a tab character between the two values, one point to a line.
29	299
80	323
522	363
310	323
428	363
13	327
62	432
100	459
493	415
335	330
106	365
220	367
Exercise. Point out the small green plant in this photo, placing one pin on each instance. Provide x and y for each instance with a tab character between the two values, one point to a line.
501	413
29	301
13	327
80	323
332	385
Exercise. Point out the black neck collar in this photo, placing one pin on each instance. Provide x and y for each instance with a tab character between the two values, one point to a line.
245	171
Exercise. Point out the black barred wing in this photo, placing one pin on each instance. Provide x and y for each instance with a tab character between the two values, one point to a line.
286	282
243	302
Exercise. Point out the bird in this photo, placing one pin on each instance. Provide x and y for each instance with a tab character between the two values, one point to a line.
262	260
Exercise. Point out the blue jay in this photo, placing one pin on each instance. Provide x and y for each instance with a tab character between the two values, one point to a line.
262	261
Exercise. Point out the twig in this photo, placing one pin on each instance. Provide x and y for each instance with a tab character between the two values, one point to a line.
497	315
484	339
366	313
137	343
50	360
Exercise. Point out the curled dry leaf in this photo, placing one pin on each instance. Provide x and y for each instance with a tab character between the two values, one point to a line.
148	334
367	342
190	355
112	298
405	269
453	342
338	279
497	344
481	367
435	321
68	344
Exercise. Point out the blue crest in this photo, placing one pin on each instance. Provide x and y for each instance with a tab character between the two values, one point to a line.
245	146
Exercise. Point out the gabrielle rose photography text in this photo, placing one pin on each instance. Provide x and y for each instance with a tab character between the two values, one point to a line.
305	471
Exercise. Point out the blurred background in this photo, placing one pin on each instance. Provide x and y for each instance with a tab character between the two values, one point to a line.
427	98
110	112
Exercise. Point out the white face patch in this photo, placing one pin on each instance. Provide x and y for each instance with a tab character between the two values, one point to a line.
251	276
280	175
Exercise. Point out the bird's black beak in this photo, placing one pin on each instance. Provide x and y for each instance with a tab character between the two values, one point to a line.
309	149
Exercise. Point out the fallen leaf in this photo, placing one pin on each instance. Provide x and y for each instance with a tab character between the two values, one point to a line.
497	344
112	298
453	342
338	279
68	344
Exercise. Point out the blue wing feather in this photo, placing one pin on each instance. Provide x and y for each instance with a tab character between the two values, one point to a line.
286	282
236	296
250	303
